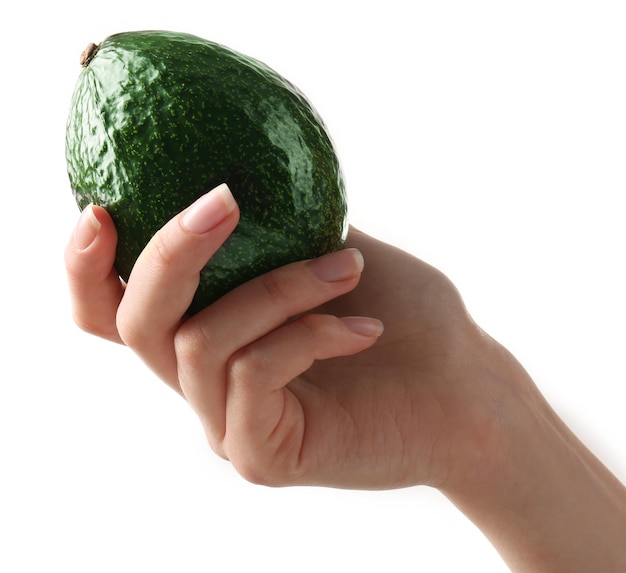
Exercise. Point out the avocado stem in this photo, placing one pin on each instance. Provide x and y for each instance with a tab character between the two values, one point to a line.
88	54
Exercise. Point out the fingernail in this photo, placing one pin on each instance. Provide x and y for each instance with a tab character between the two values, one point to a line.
86	229
209	211
364	326
338	266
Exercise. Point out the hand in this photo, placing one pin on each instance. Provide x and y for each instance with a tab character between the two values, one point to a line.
285	389
295	383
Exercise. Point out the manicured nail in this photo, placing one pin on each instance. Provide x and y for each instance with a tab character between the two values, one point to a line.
209	211
87	229
338	266
363	325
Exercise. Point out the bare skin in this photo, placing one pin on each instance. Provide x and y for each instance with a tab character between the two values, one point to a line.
332	373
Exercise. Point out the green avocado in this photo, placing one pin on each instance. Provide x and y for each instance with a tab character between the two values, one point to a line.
159	118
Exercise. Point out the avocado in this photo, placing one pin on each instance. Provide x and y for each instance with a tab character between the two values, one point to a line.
158	118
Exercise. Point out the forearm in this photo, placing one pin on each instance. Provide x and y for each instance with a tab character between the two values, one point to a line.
547	503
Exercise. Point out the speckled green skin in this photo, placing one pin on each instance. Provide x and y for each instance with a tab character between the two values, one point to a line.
158	118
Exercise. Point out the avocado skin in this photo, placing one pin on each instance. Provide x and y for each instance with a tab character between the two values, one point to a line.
159	118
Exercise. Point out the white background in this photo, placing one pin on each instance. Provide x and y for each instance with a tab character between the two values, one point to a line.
487	137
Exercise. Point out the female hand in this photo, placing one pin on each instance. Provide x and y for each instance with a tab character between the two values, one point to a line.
296	383
286	372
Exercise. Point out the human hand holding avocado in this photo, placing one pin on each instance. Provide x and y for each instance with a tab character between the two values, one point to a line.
252	365
293	392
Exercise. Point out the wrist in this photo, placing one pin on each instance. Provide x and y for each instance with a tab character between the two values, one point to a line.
542	498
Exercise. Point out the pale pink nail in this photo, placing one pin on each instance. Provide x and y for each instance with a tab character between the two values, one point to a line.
86	229
364	325
209	211
337	266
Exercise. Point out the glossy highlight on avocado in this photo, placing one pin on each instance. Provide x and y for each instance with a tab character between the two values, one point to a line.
159	118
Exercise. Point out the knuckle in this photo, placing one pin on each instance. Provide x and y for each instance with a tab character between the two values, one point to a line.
313	328
84	269
254	464
129	332
257	474
276	285
216	443
161	250
312	324
246	365
267	469
73	268
191	343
